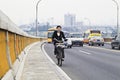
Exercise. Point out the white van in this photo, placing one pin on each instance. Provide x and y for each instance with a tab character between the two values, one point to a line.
75	39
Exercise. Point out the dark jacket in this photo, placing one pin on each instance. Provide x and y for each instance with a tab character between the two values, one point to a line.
62	36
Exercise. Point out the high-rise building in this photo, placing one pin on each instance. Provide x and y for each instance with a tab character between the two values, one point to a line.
69	20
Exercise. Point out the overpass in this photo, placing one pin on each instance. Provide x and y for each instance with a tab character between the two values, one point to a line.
15	45
26	57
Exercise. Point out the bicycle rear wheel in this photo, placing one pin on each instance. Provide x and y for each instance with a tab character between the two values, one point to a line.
59	62
59	57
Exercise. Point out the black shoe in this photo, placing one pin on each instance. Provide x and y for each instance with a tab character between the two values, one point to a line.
54	53
62	59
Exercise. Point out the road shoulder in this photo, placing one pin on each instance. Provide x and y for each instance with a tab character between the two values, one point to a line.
39	67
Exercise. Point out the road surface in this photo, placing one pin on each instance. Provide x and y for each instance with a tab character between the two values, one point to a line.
90	63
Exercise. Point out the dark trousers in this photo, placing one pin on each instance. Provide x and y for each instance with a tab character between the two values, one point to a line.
55	51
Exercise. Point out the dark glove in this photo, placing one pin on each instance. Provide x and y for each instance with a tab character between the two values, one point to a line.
65	39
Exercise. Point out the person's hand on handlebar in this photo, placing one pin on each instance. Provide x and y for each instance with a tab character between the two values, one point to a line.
65	39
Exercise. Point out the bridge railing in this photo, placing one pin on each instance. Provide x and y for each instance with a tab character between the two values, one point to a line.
12	43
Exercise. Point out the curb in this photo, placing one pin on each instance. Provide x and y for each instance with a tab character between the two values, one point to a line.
19	73
16	72
61	74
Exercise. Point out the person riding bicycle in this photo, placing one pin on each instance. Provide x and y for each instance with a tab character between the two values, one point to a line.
59	35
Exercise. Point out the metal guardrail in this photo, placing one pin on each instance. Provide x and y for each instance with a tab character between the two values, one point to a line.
12	43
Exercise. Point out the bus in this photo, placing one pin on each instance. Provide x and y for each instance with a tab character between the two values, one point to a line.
91	33
50	33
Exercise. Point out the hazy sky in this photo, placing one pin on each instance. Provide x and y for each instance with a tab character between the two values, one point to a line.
100	12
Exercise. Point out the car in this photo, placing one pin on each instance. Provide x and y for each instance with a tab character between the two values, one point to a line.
96	40
69	43
76	39
116	43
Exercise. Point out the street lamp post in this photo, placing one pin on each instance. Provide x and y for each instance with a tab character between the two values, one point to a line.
37	17
117	16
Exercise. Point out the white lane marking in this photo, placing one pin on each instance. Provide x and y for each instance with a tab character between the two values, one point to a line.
102	48
84	52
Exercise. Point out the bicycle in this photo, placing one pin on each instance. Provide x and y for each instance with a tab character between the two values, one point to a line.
59	55
60	45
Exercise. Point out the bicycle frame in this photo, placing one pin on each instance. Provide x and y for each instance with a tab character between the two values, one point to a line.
59	55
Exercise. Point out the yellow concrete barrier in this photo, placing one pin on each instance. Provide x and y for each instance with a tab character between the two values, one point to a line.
16	44
12	42
11	47
3	56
